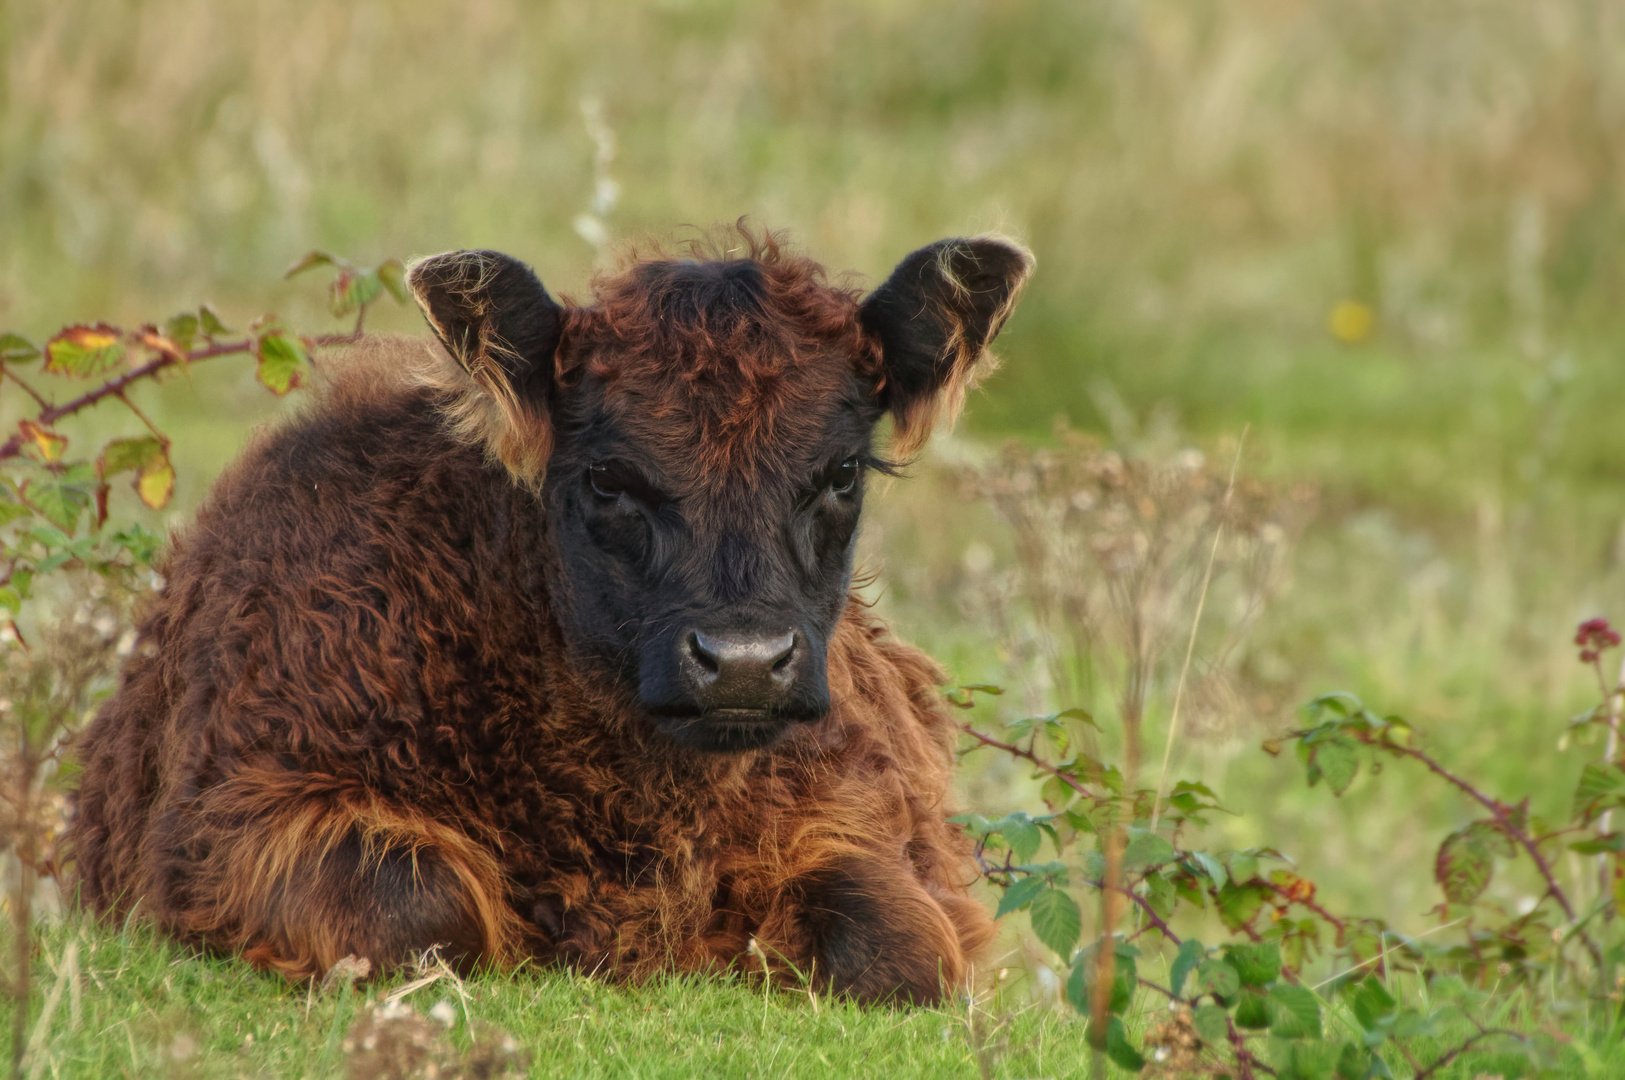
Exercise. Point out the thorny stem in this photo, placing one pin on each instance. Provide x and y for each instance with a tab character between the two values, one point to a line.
50	414
1027	755
1244	1056
1499	810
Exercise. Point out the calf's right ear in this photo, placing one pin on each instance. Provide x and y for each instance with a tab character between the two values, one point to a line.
501	331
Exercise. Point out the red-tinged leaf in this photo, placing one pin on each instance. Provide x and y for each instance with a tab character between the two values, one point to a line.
49	444
1465	864
85	351
101	504
162	343
155	483
1238	904
122	455
353	289
16	349
282	362
310	260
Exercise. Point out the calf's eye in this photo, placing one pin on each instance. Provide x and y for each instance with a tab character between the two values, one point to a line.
612	479
845	477
606	481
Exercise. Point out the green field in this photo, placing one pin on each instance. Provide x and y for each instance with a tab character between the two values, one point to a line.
1205	186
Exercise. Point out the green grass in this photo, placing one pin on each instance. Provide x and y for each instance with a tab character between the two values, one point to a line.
147	1008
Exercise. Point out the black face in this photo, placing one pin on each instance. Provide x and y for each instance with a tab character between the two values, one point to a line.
712	597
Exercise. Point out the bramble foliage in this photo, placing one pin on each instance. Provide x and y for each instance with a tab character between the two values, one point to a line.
1105	839
55	509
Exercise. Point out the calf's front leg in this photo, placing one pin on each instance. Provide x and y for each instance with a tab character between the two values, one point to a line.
880	935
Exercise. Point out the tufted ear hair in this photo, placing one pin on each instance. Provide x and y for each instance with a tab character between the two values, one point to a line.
934	318
501	331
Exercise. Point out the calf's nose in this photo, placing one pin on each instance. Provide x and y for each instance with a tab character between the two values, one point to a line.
735	670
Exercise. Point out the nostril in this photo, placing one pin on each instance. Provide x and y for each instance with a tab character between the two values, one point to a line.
705	649
782	664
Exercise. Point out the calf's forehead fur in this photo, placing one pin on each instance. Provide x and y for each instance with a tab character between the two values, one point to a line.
736	367
735	364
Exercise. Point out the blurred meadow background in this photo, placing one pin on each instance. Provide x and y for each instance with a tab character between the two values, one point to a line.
1386	240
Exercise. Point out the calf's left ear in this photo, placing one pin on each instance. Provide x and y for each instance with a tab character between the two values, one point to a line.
934	318
501	331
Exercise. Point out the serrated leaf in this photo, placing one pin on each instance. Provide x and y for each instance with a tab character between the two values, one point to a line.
1338	760
16	349
393	274
1371	1003
59	503
282	363
310	260
1294	1013
141	544
1020	895
85	351
122	455
1257	965
1463	866
1243	866
1148	849
1239	903
48	443
1160	895
1056	920
1191	952
1212	1023
1217	977
1250	1013
1211	868
1600	787
1304	1059
155	483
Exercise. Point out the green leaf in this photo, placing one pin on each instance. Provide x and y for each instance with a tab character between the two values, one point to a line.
1338	760
1601	845
1217	977
122	455
10	599
1160	895
1303	1059
1020	895
59	503
1212	1023
1022	834
311	260
1211	867
393	274
1371	1003
1147	849
1243	866
1355	1062
1294	1013
11	511
1258	965
141	544
1057	920
1119	1049
85	351
1250	1011
16	349
1239	903
1191	952
210	322
182	329
1600	787
282	363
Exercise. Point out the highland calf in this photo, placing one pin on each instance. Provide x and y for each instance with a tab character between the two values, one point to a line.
539	643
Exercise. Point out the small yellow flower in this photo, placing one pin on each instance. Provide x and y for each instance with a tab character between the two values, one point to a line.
1351	321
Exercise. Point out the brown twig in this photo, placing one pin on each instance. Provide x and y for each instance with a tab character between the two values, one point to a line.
1453	1054
50	414
1027	755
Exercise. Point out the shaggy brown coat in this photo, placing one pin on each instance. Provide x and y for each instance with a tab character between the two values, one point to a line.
352	725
